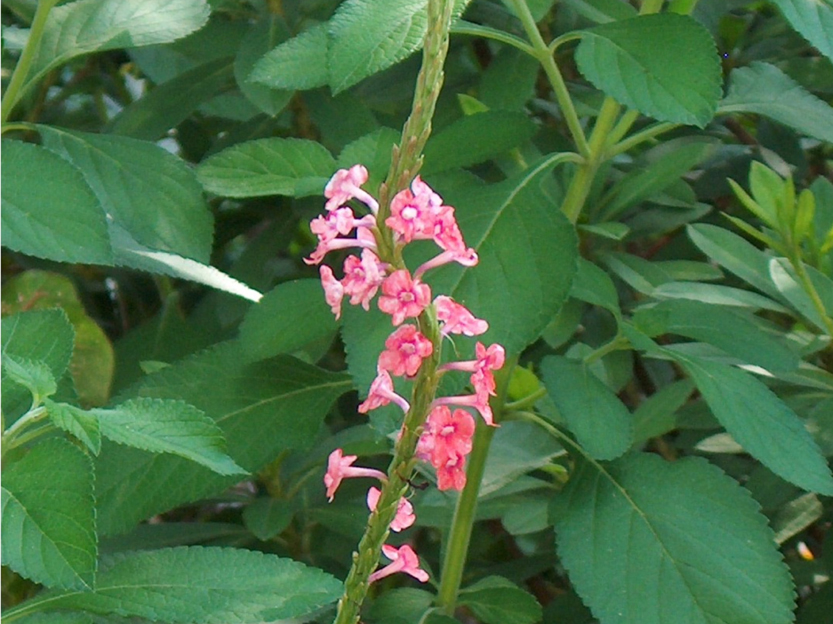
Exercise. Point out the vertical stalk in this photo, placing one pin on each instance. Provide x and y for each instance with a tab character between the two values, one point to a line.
13	91
407	158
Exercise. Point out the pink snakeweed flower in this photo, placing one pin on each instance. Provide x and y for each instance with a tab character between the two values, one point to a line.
488	359
381	393
413	212
451	472
479	401
451	432
362	278
404	511
339	467
404	560
333	290
457	319
404	351
403	297
346	185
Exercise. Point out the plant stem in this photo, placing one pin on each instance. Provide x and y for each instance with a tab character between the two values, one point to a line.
640	137
810	289
650	6
11	437
21	71
544	56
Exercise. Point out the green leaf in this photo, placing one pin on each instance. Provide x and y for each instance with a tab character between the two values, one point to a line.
38	336
198	584
594	286
77	422
263	408
646	541
267	517
600	421
602	11
262	36
628	60
496	600
37	187
655	415
170	103
476	138
785	280
735	254
642	275
717	295
168	427
731	331
761	423
36	377
287	318
517	448
273	166
764	89
144	189
48	516
813	19
508	82
94	25
300	63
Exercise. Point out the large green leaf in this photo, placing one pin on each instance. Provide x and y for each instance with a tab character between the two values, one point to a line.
813	19
94	25
789	285
600	421
517	448
261	37
764	89
731	331
496	600
146	190
263	408
629	60
37	188
274	166
49	517
197	584
761	423
300	63
168	427
648	542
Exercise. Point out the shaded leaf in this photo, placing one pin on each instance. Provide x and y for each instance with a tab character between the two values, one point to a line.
262	36
496	600
813	19
300	63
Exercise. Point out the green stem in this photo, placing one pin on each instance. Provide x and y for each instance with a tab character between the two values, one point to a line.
527	401
457	543
618	343
476	30
12	436
622	127
650	6
810	289
24	64
544	56
640	137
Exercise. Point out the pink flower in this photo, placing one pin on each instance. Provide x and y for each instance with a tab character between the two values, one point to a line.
457	319
362	278
413	212
488	359
381	393
326	246
479	401
404	511
346	185
404	560
451	474
403	297
466	257
404	351
451	432
333	290
338	222
339	467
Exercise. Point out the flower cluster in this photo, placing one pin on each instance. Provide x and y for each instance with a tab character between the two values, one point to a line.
416	213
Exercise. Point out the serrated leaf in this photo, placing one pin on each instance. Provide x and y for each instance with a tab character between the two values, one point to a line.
77	422
37	187
646	541
731	331
35	376
198	584
600	421
628	60
764	89
48	517
476	138
761	423
517	448
263	408
144	189
273	166
261	37
655	415
88	26
813	19
496	600
287	318
168	427
300	63
266	517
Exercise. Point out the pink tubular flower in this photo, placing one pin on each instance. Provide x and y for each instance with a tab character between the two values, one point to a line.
362	278
479	401
404	351
339	467
326	246
451	432
413	212
488	359
381	393
404	560
404	511
457	319
403	297
451	474
333	290
346	185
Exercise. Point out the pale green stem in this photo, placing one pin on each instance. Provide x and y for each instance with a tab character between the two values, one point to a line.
544	56
650	6
640	137
622	127
527	401
30	50
810	289
617	344
13	437
476	30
